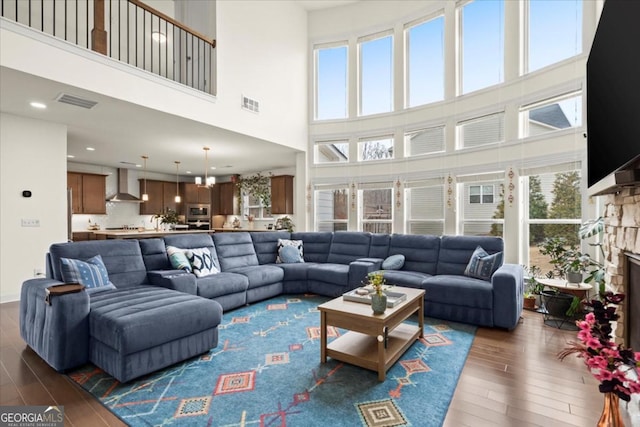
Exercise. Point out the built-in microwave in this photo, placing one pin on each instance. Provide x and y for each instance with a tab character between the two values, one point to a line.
198	212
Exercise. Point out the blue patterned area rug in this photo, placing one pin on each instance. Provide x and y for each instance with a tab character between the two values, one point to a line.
266	371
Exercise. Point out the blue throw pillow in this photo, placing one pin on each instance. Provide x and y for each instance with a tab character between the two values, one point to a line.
178	258
394	262
296	244
290	255
91	273
482	265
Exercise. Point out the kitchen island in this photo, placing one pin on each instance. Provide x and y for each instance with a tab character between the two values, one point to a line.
146	234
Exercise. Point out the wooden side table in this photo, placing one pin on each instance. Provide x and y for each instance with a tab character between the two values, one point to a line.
580	290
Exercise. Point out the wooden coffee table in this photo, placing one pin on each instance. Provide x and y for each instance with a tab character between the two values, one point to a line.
374	341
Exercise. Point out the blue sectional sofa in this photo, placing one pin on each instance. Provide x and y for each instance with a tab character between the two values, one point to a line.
158	315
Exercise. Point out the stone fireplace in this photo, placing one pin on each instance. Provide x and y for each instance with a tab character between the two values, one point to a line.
622	252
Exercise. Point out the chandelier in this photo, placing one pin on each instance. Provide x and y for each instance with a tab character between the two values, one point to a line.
208	180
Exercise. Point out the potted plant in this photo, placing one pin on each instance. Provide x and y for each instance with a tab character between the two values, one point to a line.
591	228
169	217
533	287
257	185
567	261
378	299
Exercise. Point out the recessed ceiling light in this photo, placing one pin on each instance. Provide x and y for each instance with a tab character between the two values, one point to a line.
188	172
212	167
91	149
38	105
70	156
138	166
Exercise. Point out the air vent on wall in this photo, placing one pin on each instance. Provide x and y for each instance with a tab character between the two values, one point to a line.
250	104
65	98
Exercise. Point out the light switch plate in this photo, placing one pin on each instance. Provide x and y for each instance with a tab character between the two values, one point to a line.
30	222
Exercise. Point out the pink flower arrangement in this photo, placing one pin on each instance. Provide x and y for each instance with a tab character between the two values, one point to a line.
617	368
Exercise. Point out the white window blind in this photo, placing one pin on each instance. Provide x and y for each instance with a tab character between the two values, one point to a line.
481	131
425	141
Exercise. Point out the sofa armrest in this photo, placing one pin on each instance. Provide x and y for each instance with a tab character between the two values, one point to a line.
508	291
58	331
178	280
376	261
358	271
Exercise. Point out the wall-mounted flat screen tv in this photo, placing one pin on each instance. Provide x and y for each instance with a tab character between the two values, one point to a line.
613	91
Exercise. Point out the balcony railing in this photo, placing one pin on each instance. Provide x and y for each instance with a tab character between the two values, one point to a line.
126	30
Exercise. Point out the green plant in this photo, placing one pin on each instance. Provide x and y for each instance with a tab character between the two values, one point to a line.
285	223
257	185
592	228
169	216
564	257
533	287
574	307
377	281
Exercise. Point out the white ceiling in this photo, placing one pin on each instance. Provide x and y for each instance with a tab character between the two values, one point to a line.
123	132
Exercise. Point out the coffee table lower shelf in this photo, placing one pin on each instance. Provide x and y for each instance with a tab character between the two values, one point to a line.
367	352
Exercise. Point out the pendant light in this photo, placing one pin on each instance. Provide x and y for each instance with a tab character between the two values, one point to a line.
145	195
208	180
177	199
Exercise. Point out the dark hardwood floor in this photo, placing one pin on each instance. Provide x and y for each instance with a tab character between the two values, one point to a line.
510	379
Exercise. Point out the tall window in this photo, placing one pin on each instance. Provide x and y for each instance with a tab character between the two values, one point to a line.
425	210
550	115
376	74
555	31
481	131
425	62
424	141
331	82
331	151
553	209
376	210
375	148
482	207
481	45
332	209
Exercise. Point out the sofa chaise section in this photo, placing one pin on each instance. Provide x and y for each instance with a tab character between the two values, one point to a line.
123	338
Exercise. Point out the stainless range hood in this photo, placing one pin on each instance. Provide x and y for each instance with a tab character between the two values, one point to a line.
123	194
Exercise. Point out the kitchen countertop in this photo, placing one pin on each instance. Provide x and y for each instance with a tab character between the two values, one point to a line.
135	234
219	229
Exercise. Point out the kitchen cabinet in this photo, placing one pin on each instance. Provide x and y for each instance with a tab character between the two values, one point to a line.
88	193
161	197
227	192
195	194
81	236
282	194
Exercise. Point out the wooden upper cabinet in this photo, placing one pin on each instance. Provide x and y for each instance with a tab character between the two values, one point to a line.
161	197
88	193
196	194
227	191
282	194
